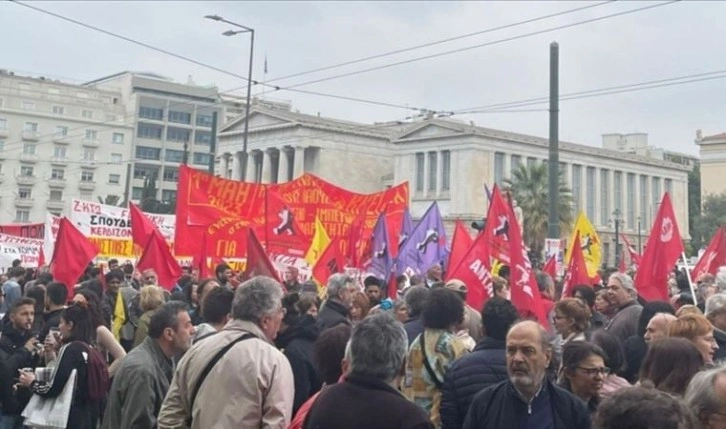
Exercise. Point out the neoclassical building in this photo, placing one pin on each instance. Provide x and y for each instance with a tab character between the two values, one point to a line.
450	162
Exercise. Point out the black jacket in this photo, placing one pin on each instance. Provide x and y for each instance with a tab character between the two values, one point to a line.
297	345
332	315
13	356
414	328
51	320
485	366
500	406
635	350
721	340
360	403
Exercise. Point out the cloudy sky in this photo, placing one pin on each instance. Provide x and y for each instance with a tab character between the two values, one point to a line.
673	40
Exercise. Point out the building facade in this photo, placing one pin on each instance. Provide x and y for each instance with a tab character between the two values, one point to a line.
58	142
637	144
712	150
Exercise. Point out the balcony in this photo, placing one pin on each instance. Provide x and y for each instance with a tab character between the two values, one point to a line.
24	203
30	135
56	205
25	180
29	157
57	183
89	164
58	160
93	143
86	186
61	139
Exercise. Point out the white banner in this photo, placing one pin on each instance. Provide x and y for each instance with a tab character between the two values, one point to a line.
25	249
101	220
555	247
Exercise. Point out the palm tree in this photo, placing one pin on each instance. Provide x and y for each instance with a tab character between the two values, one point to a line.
529	187
112	200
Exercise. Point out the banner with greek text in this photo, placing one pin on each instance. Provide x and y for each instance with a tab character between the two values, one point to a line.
25	249
28	230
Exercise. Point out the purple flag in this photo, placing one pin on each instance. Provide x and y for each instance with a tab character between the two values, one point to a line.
406	228
426	246
381	256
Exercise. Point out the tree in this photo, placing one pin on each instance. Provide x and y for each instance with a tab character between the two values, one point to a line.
712	216
150	204
694	208
112	200
529	187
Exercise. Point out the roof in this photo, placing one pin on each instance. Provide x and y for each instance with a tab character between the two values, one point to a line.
149	75
715	137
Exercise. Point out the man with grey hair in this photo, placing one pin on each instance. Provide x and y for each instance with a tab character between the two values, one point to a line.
546	286
527	399
715	312
623	295
368	397
340	297
706	396
237	377
414	299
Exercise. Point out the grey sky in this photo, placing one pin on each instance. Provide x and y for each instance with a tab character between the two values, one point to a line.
674	40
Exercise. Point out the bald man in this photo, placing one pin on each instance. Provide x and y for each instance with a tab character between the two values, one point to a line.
658	326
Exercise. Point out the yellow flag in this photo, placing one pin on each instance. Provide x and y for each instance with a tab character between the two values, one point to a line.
590	244
119	316
319	244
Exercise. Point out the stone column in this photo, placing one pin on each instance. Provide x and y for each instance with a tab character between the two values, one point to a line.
266	166
224	165
250	173
299	160
283	166
236	166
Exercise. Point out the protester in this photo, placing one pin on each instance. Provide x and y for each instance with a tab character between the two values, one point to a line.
104	338
583	372
433	275
56	296
658	326
252	376
472	318
335	310
434	350
485	366
501	288
217	312
414	298
291	279
11	288
360	307
368	398
37	293
715	311
571	320
191	292
644	408
204	287
699	331
636	345
527	399
546	285
149	277
142	380
614	359
150	298
372	287
670	364
117	289
400	310
223	274
603	304
586	294
706	396
622	294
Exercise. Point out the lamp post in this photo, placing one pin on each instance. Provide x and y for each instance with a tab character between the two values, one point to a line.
249	81
616	221
640	248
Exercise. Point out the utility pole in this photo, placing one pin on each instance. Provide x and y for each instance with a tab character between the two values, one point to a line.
553	224
213	144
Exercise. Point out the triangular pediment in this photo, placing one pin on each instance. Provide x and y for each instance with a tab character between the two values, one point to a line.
428	131
257	120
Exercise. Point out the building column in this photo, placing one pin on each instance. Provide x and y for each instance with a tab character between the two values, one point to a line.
283	166
266	166
250	173
299	160
236	167
224	165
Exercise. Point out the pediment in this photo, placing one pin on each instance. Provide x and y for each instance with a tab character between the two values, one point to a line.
257	120
431	131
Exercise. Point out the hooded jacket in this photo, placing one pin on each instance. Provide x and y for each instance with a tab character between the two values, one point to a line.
13	356
296	344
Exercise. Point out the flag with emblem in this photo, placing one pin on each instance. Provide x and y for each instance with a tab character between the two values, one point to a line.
589	244
320	242
713	257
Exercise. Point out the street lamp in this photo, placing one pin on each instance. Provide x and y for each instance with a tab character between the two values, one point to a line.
249	80
616	221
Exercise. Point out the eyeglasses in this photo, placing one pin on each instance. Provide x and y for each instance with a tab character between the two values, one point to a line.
558	317
594	371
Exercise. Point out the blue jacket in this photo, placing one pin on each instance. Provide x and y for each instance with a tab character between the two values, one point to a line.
414	328
469	375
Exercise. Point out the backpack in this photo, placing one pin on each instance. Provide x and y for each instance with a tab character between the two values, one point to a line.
97	375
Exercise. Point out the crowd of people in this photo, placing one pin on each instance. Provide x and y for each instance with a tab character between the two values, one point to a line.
117	351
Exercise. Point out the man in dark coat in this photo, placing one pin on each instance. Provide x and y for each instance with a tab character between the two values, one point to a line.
527	400
56	296
414	299
340	297
716	314
368	397
484	367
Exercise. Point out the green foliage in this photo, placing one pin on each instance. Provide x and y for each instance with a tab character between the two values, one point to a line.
713	215
112	200
694	208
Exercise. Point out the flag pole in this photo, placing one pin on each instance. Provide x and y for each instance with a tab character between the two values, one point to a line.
688	275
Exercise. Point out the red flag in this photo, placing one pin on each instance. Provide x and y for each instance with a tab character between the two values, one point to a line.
258	264
621	265
550	267
460	244
41	259
157	256
498	228
281	232
331	261
634	255
141	226
71	255
713	257
661	254
576	271
355	234
200	261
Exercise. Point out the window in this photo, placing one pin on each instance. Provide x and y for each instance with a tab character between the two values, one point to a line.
149	131
3	124
22	216
89	154
26	171
668	184
432	171
27	105
61	131
171	174
151	113
91	135
110	117
57	173
30	127
516	162
29	149
173	155
202	158
114	179
644	200
59	110
144	171
531	162
118	138
59	152
2	145
144	152
56	196
86	196
576	188
87	114
204	120
24	193
203	138
86	176
499	168
116	158
445	170
590	193
177	135
630	196
604	196
180	117
137	193
618	191
168	195
656	190
420	172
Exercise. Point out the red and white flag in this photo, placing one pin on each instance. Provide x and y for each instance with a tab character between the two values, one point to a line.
634	255
713	257
576	271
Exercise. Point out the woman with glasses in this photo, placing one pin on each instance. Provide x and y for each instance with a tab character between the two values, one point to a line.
583	372
572	319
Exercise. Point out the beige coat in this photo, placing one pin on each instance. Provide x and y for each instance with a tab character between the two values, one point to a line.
252	386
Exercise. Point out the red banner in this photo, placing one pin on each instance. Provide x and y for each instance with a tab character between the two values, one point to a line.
25	230
283	215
